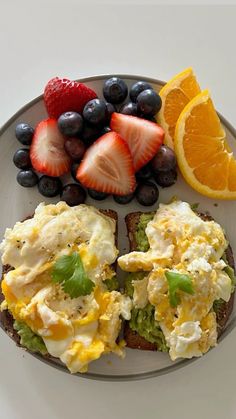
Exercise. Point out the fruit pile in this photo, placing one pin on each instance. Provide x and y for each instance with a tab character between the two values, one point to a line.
110	146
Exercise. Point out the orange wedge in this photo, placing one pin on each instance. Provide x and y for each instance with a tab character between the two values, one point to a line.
204	156
175	95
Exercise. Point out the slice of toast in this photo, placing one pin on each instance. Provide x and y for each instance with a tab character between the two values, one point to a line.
132	338
7	320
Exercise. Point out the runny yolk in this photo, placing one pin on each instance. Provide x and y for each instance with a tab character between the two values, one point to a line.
90	261
102	298
7	292
59	331
33	319
87	354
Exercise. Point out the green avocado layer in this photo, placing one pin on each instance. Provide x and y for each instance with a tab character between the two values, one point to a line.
230	272
142	320
112	284
140	235
29	339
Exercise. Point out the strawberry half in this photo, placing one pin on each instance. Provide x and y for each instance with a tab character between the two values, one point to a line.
62	95
143	137
107	166
47	151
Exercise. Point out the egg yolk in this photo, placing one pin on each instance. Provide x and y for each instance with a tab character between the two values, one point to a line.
7	292
87	354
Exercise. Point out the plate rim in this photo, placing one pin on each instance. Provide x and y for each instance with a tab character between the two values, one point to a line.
102	76
123	377
128	377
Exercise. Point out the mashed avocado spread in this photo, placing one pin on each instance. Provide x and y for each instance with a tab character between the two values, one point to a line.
142	320
140	235
217	306
230	273
112	283
29	339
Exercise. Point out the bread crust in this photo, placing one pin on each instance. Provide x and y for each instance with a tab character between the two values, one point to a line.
133	339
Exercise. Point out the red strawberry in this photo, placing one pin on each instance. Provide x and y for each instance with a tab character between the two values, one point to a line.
62	95
47	151
107	166
143	137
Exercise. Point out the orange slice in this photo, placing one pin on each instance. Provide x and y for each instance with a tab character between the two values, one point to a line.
175	95
204	156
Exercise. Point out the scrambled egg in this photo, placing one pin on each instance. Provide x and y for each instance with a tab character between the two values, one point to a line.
77	330
182	242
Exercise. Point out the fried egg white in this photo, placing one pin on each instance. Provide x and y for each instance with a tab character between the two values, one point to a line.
182	242
77	330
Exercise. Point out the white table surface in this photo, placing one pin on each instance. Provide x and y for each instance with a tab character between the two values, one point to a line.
45	39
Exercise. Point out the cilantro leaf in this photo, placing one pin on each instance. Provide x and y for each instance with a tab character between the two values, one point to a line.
64	267
177	281
78	285
69	272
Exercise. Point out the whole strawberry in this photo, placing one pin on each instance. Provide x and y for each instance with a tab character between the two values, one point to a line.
62	95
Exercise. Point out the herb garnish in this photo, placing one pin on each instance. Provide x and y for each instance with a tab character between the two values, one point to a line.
177	281
69	272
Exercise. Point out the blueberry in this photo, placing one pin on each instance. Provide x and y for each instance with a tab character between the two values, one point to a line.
90	133
138	88
149	102
75	148
49	186
115	90
27	178
73	194
166	179
95	112
150	118
129	109
24	133
110	109
105	130
21	158
147	193
70	123
164	160
123	199
74	168
99	196
144	173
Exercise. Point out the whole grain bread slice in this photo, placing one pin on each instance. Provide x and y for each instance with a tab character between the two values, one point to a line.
6	318
132	338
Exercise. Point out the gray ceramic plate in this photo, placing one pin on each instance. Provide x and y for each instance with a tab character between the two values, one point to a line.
17	203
